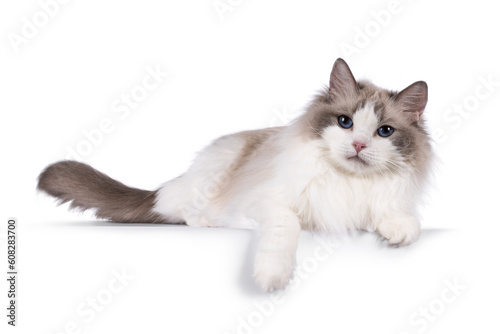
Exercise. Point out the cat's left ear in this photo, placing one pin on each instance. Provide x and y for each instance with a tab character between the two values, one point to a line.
412	100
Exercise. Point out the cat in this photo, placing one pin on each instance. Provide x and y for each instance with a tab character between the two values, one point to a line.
358	158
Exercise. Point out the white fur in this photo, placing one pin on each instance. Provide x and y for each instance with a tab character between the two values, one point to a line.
295	182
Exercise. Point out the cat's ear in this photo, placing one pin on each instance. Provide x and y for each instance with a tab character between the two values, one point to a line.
413	99
342	82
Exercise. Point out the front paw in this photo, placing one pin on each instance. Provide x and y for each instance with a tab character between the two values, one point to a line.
273	270
399	231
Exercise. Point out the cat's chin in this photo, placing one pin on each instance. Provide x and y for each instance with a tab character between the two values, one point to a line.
356	159
355	165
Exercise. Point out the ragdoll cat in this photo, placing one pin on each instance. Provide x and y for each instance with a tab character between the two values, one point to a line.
357	158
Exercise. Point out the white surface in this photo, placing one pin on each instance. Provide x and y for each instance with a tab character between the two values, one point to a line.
256	68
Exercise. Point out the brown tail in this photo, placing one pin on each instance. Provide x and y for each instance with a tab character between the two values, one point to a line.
87	188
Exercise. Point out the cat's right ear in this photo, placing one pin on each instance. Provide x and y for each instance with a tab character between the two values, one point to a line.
342	82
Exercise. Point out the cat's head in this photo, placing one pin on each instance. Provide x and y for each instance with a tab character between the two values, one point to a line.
365	129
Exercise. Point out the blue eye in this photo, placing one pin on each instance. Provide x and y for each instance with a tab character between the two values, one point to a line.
345	122
385	131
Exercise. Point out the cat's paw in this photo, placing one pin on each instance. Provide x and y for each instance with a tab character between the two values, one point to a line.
399	231
273	270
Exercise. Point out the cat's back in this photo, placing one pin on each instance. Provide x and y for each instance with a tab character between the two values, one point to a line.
196	196
232	151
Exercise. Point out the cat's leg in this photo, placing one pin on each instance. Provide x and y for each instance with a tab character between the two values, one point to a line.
275	258
191	196
401	229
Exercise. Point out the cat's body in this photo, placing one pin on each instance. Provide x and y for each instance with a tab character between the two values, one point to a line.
358	158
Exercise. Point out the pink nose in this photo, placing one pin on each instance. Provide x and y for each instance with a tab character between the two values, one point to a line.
358	146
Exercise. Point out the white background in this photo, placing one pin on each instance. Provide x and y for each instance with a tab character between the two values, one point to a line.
256	66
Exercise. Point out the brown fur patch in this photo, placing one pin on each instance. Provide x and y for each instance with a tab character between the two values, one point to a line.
87	188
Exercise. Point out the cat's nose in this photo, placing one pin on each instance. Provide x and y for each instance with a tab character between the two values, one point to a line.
358	146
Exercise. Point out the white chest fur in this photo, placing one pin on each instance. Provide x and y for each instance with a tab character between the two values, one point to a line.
326	199
339	203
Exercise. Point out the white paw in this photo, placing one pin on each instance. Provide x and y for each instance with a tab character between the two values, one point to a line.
273	270
400	231
195	218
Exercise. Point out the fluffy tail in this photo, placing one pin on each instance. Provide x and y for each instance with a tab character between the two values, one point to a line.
87	188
